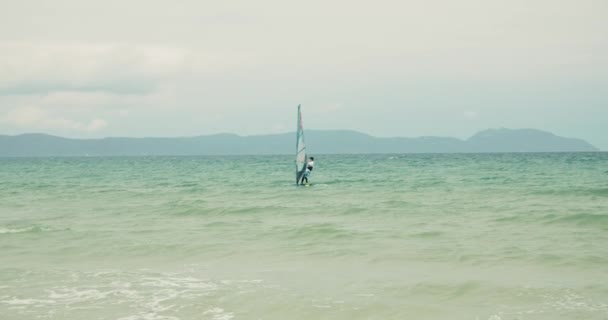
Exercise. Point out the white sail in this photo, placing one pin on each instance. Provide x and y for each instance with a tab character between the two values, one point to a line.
300	148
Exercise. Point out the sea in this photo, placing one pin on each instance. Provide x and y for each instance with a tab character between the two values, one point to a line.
384	236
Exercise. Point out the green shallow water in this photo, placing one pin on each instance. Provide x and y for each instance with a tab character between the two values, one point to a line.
458	236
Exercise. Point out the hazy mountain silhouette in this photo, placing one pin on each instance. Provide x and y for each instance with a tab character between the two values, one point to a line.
318	142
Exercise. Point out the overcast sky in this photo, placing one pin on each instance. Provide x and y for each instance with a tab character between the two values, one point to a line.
388	68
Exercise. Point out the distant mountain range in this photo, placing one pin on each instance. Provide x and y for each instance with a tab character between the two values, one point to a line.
318	142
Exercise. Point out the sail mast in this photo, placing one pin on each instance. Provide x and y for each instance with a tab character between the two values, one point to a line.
300	147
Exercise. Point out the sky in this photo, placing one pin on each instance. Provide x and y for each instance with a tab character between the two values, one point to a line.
91	69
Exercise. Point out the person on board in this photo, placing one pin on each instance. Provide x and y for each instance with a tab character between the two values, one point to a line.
309	166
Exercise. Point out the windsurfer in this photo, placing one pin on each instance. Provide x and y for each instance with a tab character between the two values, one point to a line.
309	166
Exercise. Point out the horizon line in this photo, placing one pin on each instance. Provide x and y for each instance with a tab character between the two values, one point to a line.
278	133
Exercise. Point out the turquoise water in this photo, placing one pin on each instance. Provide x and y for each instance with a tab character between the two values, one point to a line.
490	236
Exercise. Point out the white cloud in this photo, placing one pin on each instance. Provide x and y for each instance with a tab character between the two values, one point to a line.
123	113
387	67
96	124
33	68
278	128
324	108
471	115
37	118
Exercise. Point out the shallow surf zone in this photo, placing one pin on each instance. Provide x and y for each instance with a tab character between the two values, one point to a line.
146	294
407	237
117	295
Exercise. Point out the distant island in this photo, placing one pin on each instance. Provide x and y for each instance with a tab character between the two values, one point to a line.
319	142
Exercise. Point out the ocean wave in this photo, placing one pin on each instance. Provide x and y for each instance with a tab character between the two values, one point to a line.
565	302
196	211
594	192
447	291
581	219
320	231
219	314
427	234
136	295
29	229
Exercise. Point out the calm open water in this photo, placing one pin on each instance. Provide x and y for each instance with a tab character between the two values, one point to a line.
454	236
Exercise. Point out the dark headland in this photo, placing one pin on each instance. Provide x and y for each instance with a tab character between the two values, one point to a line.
319	142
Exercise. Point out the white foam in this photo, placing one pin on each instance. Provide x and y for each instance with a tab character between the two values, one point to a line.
16	301
8	230
148	316
74	295
219	314
179	282
145	295
229	282
365	294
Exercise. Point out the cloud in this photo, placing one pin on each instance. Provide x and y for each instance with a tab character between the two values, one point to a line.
325	107
471	115
38	118
278	128
96	124
42	68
